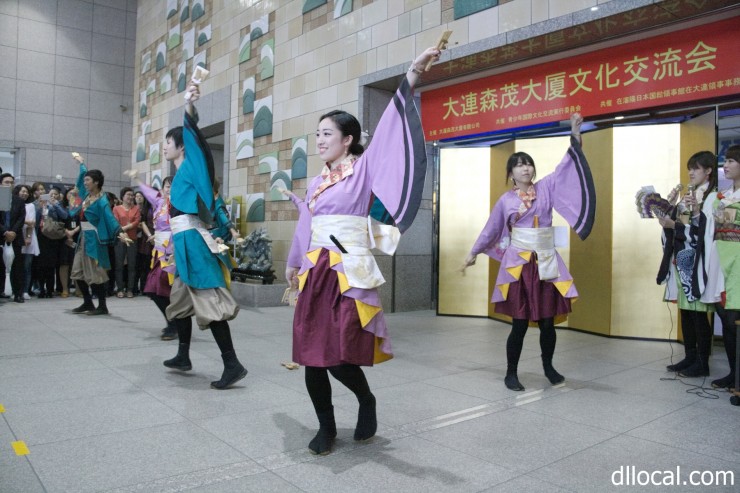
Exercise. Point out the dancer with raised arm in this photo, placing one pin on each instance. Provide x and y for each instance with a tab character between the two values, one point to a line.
533	282
199	288
162	271
338	324
98	230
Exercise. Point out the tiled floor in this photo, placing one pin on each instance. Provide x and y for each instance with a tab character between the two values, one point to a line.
98	411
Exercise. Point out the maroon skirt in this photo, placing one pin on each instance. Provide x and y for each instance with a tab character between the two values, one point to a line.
157	281
532	299
326	326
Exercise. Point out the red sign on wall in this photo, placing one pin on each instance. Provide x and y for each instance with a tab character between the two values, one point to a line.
694	64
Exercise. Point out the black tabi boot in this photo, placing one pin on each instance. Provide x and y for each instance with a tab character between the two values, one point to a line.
87	304
512	380
233	372
367	421
182	360
99	291
689	360
321	444
700	368
726	382
169	333
552	375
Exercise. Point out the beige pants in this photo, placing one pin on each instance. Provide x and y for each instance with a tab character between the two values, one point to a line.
85	268
208	305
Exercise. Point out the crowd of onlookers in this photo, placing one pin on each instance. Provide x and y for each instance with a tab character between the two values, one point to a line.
41	229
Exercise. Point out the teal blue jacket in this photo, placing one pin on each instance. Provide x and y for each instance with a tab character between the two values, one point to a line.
192	193
100	215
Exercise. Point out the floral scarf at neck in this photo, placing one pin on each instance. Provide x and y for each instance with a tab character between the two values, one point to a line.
527	197
332	176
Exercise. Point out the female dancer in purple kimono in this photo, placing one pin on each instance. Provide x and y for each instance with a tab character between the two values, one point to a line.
339	323
162	271
533	282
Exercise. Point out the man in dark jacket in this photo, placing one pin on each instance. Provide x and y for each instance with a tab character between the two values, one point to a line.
11	227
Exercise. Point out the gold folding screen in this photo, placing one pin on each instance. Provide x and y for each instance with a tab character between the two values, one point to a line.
616	267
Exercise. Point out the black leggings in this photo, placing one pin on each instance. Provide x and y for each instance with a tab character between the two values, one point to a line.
729	334
97	289
162	303
220	330
514	343
319	387
697	333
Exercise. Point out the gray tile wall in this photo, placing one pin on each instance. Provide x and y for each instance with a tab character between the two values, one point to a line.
66	84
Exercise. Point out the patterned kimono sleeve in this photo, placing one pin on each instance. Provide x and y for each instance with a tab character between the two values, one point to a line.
489	240
192	187
396	158
571	186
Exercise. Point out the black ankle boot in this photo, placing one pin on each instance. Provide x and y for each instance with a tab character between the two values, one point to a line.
321	444
553	376
684	363
726	382
85	307
101	310
99	291
169	333
182	360
367	420
700	368
512	381
233	371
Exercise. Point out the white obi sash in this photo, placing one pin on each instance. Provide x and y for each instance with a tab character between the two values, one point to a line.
542	242
160	237
352	232
88	226
185	222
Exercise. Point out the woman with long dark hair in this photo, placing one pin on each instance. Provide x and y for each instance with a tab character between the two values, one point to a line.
684	265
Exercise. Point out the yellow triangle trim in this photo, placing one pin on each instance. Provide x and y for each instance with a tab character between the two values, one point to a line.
504	288
302	280
366	312
343	282
313	255
526	255
334	258
516	271
563	286
379	356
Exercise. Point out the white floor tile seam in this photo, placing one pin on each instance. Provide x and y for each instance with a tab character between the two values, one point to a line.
48	443
90	351
579	423
195	479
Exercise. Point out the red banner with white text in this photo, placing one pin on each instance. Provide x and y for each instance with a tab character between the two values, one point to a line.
689	65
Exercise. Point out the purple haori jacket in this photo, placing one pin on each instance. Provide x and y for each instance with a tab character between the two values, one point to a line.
392	169
570	191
